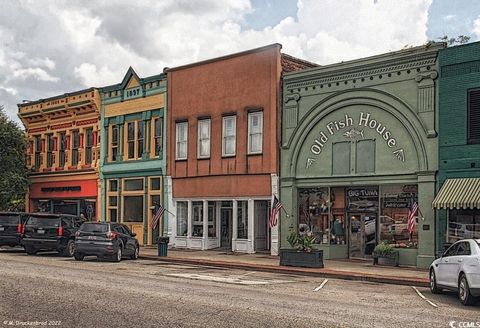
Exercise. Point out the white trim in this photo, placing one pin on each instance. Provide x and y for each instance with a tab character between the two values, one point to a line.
226	118
199	139
249	141
177	129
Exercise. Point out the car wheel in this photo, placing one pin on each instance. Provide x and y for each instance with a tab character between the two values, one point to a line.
78	256
69	251
136	251
30	250
118	256
433	283
464	291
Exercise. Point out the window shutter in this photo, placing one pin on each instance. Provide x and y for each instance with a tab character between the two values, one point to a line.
474	116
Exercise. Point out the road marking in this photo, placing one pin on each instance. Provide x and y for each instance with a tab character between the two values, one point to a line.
426	299
321	286
247	274
228	280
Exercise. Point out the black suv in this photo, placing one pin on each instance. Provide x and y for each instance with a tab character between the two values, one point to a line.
53	232
11	226
105	240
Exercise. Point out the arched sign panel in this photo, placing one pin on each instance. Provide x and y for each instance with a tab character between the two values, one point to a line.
357	140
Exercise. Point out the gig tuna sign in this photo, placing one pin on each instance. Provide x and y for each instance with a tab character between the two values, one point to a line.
356	131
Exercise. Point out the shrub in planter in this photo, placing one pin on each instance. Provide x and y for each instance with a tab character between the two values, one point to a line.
302	252
385	254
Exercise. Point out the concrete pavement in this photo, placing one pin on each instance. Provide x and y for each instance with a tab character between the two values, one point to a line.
340	269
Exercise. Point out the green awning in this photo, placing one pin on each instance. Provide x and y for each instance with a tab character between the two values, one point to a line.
458	193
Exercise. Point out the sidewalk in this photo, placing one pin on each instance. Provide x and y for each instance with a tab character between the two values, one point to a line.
340	269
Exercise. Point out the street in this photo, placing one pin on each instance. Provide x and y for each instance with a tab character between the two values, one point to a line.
57	291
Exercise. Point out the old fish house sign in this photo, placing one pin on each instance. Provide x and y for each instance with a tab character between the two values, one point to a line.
354	129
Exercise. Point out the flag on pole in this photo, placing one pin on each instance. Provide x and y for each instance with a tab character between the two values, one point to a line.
412	213
159	210
276	206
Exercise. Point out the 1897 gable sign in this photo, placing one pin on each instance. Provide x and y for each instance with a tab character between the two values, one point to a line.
355	131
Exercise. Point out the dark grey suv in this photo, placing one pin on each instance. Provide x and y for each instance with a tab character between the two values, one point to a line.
11	227
51	232
105	240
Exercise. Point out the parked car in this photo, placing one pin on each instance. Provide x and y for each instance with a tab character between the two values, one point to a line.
458	269
106	240
52	232
11	226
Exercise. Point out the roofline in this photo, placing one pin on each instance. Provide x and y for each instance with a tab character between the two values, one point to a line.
211	60
359	62
57	97
147	79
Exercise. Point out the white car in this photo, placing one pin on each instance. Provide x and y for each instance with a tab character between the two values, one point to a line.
458	269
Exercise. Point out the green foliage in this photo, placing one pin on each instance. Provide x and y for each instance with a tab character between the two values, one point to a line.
13	171
461	39
302	242
383	249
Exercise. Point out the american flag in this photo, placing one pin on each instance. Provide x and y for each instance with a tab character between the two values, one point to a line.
276	206
412	213
159	210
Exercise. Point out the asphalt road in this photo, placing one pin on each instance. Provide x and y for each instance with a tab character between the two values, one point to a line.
49	290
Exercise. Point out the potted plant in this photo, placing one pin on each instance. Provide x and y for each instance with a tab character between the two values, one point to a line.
302	253
385	254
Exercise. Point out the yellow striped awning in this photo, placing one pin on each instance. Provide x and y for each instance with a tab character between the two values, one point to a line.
458	193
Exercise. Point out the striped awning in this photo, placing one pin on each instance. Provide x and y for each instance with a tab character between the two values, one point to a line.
458	193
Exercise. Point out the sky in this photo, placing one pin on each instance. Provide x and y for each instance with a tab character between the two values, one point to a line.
48	48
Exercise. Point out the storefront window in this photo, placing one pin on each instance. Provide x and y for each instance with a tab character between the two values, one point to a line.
337	199
242	219
463	224
113	185
133	209
154	183
197	219
396	202
314	204
212	219
182	218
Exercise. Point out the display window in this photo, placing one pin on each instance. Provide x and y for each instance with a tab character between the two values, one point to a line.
463	224
314	204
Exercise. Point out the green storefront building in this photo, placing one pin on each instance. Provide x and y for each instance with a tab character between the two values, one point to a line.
359	149
132	167
458	200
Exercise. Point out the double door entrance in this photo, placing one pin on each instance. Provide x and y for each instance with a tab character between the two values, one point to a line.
362	234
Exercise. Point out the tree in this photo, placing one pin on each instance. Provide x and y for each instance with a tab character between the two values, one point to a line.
461	39
13	170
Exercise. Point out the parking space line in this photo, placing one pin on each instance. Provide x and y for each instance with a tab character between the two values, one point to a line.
321	286
426	299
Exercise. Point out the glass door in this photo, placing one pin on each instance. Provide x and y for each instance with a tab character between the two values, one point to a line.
362	234
226	218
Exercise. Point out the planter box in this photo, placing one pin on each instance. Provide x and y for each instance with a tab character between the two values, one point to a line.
389	259
293	257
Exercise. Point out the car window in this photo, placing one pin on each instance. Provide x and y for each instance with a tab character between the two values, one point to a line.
127	229
43	221
463	248
94	227
118	229
451	251
67	222
8	219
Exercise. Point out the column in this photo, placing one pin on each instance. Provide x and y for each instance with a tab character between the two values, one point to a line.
205	225
251	226
426	223
234	225
189	220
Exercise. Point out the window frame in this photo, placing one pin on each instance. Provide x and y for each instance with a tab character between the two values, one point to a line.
234	136
199	137
250	133
155	137
177	142
114	145
471	140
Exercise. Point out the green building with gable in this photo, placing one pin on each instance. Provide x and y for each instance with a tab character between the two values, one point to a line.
359	150
133	151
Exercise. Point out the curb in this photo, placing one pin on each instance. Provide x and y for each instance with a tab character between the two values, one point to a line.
325	273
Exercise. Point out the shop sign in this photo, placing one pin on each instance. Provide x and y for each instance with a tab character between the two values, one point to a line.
355	130
60	189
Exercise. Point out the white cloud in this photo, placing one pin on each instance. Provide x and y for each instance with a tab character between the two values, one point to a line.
476	27
11	91
61	46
